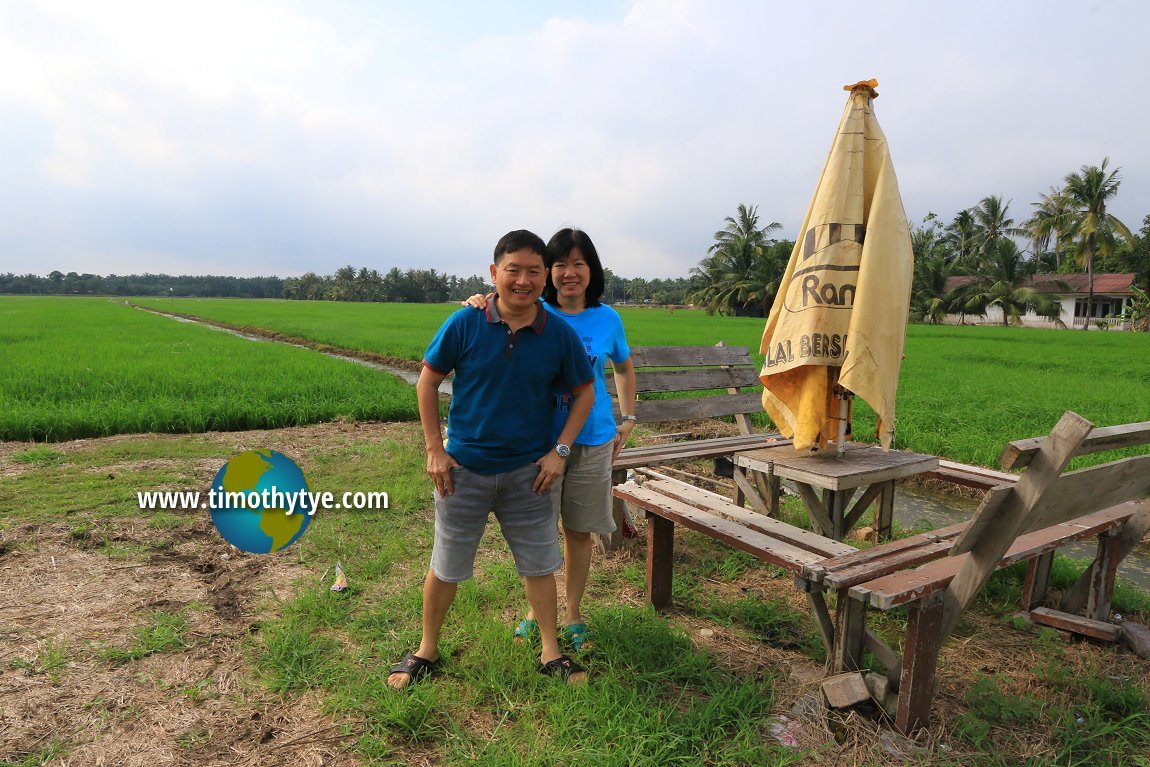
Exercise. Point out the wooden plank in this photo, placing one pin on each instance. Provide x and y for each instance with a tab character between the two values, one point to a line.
924	637
1010	516
690	379
1097	487
1107	632
899	561
987	477
984	516
691	408
634	457
899	588
878	554
716	504
1020	453
785	555
677	356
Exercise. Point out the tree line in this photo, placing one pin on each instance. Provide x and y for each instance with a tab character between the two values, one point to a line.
72	283
347	284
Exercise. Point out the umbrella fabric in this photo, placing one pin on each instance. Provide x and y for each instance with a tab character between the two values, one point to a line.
842	307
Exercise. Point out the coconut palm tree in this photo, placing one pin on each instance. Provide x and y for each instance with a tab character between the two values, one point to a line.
929	301
734	275
1005	284
1088	191
961	232
1051	220
992	223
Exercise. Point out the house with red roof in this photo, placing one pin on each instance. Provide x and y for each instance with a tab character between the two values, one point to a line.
1113	293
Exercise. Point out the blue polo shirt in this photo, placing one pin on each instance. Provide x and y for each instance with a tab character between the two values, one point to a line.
505	383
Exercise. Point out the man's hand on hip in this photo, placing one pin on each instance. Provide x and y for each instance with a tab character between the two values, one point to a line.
439	466
551	468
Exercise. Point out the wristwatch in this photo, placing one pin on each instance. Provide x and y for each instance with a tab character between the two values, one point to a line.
562	450
627	418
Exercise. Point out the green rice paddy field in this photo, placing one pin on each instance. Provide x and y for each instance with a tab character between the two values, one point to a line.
76	367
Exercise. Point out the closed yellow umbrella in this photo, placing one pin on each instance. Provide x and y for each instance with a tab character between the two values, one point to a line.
838	324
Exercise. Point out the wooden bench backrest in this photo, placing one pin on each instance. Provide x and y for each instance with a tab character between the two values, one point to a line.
662	369
1044	496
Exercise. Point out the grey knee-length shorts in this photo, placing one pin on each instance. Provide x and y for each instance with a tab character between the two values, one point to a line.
527	521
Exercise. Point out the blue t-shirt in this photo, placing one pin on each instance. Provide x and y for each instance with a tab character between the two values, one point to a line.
600	330
505	383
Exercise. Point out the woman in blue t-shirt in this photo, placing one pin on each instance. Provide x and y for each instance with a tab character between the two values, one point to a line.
575	283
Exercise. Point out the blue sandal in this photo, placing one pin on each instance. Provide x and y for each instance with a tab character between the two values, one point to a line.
526	631
579	636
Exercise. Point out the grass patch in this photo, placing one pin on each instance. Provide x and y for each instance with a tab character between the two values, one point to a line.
162	632
115	369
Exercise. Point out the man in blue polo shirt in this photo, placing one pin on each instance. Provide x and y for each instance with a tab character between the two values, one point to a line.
509	361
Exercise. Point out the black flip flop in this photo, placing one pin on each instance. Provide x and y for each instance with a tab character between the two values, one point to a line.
562	667
415	667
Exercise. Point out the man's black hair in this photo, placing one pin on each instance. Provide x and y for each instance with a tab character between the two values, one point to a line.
518	240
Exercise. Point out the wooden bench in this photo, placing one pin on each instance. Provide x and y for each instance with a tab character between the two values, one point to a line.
723	372
1025	520
668	501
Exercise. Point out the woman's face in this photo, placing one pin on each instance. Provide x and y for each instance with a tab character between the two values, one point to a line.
571	275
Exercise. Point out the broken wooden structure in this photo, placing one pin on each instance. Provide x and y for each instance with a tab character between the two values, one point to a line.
937	574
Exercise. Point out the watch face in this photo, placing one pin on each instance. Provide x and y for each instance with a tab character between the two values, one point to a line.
563	451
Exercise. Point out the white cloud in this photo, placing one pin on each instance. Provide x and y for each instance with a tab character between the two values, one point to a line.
254	137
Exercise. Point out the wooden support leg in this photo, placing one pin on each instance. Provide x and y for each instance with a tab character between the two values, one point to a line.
884	511
746	490
774	495
660	553
606	543
816	508
822	615
920	656
1037	581
1102	578
850	632
834	500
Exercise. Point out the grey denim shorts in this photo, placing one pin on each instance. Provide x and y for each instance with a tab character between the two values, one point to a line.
582	496
527	521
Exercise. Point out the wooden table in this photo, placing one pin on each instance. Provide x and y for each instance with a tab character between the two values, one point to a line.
868	467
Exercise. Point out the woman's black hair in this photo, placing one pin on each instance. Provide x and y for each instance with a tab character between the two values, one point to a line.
559	247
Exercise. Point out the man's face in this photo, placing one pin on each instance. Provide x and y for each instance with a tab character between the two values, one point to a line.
519	278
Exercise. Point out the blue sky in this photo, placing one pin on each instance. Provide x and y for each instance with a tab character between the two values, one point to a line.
250	138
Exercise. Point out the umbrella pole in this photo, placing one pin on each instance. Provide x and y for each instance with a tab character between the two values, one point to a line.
844	414
844	397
